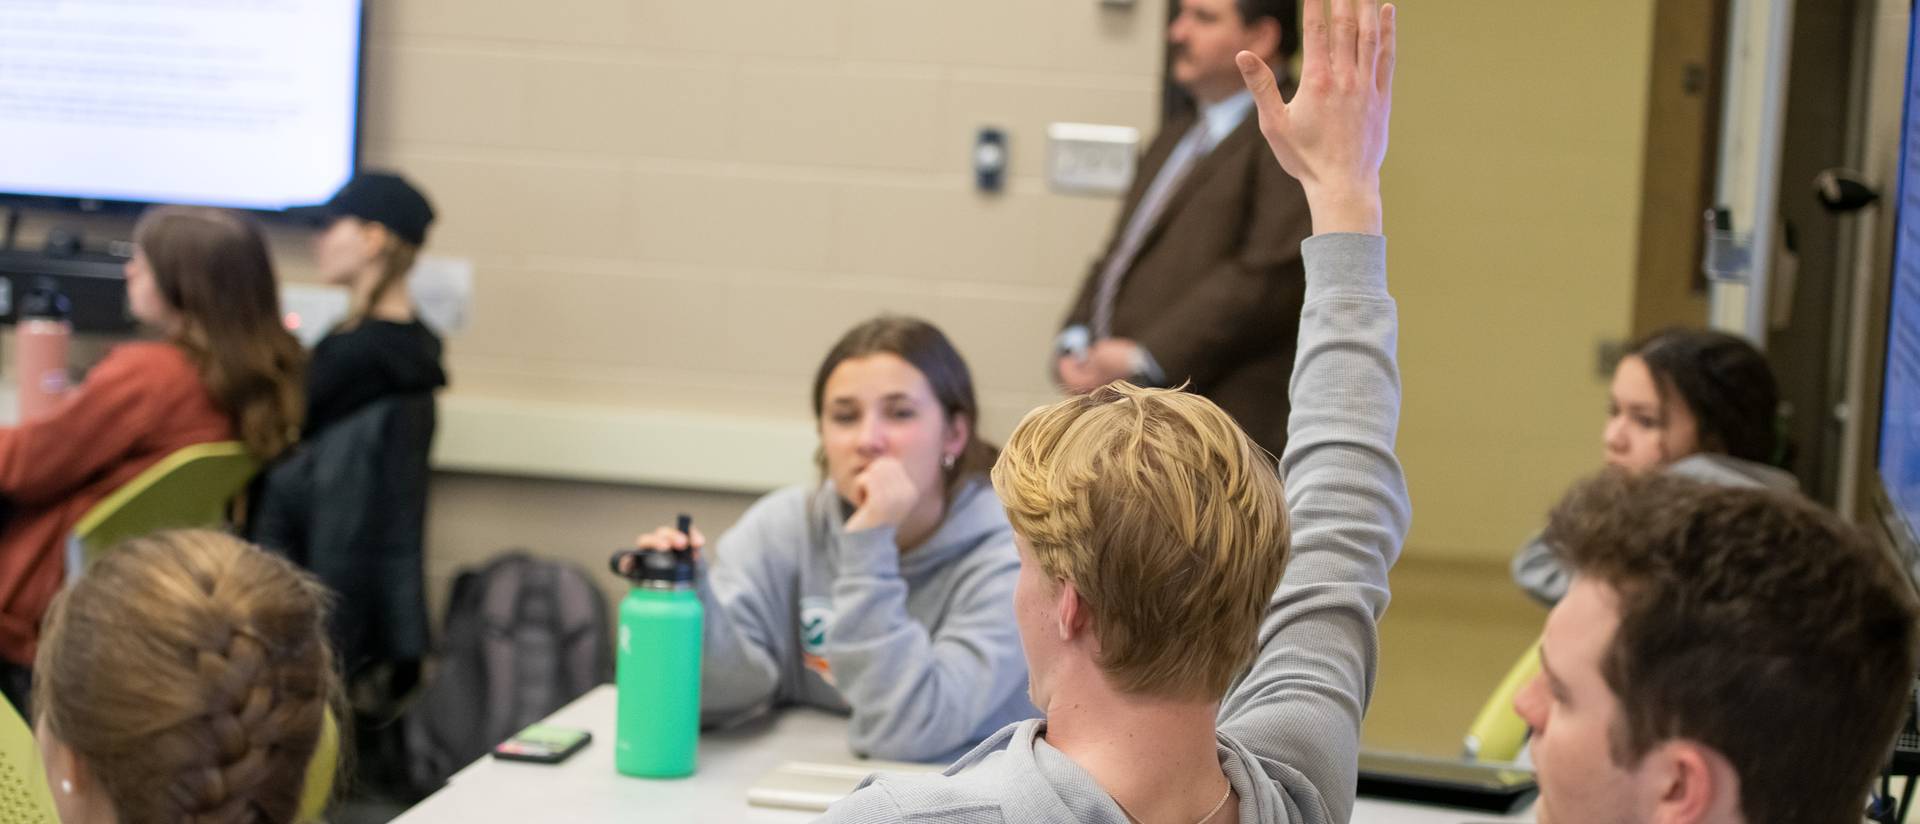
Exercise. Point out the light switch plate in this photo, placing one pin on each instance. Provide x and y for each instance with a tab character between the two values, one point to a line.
1087	158
442	291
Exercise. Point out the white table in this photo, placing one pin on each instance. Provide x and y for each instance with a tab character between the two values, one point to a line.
586	789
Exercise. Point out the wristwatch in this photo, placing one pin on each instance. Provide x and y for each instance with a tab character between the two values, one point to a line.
1146	370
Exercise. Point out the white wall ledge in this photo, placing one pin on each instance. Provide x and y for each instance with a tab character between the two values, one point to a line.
685	450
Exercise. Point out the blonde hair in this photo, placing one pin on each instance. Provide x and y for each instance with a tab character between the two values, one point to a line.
1168	521
190	672
397	256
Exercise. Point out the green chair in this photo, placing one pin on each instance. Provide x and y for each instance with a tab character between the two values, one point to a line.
24	794
1498	733
317	791
189	488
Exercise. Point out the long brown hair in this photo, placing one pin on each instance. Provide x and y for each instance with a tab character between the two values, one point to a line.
922	345
190	673
211	266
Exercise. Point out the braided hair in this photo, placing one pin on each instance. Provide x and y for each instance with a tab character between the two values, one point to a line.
190	672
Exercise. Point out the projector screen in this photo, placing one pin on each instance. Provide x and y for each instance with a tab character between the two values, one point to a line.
1899	461
250	104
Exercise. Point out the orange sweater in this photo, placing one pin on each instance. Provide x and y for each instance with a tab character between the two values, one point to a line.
144	401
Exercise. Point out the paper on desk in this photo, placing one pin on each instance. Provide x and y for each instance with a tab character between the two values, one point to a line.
813	786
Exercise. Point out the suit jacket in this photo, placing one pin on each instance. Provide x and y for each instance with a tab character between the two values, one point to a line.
1216	290
140	404
350	504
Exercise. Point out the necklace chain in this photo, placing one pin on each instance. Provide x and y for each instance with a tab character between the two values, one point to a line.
1217	807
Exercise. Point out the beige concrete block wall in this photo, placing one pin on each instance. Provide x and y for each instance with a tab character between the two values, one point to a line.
678	206
682	205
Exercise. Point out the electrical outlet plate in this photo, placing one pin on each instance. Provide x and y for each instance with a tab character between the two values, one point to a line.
1087	158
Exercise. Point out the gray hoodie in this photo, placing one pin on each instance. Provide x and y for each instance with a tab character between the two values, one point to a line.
1289	731
921	648
1538	571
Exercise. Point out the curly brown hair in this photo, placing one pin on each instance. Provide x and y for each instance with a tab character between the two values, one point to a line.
1754	622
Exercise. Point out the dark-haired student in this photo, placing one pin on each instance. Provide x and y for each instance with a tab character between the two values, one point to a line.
1724	656
886	590
1199	284
1690	402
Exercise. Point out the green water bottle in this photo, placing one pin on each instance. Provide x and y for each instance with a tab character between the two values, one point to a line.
657	665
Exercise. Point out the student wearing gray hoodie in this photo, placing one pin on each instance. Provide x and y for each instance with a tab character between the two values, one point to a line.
886	591
1695	403
1190	671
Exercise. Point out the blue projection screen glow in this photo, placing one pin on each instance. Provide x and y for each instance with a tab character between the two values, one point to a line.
1900	410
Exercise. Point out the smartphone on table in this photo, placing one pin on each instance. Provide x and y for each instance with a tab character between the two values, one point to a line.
542	744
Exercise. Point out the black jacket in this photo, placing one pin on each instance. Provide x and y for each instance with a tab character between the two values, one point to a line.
350	505
377	359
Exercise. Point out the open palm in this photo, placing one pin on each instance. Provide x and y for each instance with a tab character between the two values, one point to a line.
1333	136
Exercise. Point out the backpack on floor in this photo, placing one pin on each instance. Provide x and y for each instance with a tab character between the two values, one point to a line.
523	637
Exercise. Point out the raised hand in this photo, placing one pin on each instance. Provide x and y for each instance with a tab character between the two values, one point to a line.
1333	135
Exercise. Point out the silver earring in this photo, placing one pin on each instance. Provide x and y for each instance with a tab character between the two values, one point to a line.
949	461
66	786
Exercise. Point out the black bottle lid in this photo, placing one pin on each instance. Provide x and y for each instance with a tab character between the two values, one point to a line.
672	568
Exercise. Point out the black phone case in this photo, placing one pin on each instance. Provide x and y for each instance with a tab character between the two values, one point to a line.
542	756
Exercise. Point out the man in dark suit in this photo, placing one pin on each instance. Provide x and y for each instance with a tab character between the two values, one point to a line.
1202	281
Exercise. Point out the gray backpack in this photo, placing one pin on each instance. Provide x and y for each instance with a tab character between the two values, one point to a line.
523	637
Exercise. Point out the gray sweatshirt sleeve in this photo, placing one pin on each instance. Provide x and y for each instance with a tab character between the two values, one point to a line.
918	695
747	593
1299	706
1538	571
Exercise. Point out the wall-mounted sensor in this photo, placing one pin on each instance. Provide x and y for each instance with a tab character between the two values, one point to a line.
990	159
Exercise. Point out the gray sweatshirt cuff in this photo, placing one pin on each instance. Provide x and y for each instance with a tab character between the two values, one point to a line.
1345	263
703	579
874	552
